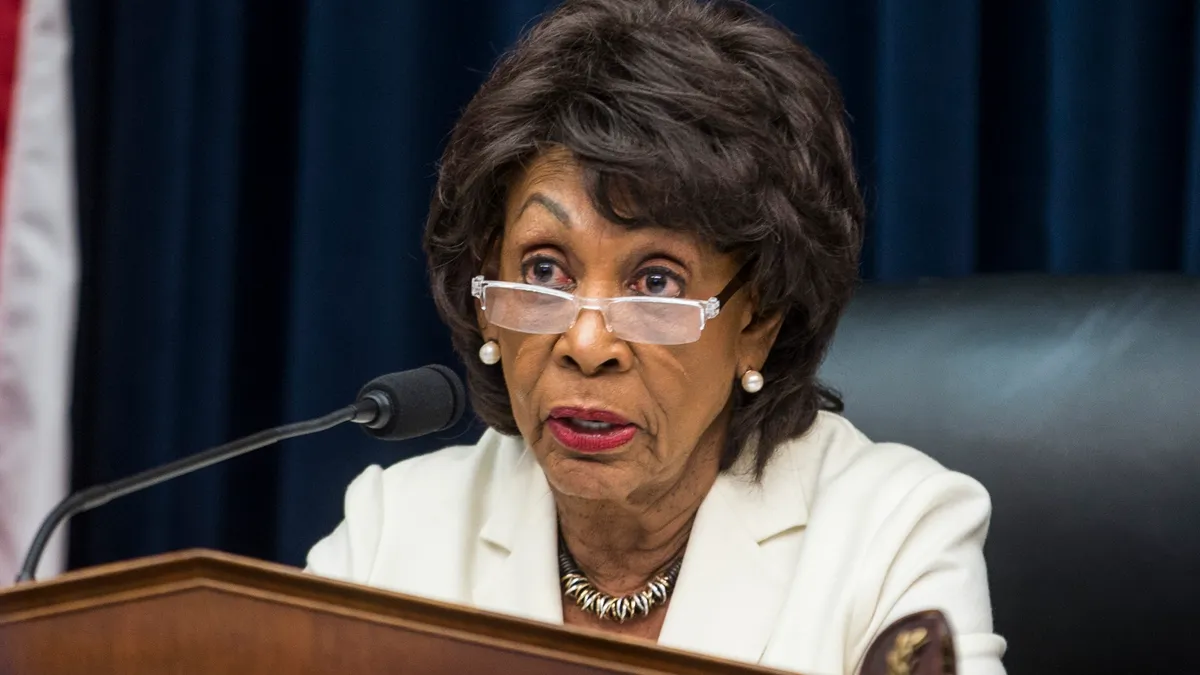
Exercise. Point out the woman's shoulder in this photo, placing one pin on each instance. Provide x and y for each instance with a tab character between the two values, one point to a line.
839	461
413	499
443	476
845	447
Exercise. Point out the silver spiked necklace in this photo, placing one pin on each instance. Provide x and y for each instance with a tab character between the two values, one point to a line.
577	587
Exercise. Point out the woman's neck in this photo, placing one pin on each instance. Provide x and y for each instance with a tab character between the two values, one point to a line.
621	546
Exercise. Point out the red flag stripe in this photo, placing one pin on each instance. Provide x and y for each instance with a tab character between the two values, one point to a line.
10	31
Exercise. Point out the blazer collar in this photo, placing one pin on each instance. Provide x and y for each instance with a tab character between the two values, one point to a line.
732	584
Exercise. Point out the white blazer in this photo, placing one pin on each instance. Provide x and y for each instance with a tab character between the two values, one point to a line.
842	537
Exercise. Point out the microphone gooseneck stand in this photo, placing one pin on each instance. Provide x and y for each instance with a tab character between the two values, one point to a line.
98	495
392	407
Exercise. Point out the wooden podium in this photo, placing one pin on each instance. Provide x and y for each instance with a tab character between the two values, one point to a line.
207	612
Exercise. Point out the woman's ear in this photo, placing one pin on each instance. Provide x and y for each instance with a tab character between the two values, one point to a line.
759	331
757	338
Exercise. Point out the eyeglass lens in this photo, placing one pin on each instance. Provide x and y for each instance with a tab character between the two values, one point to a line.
636	320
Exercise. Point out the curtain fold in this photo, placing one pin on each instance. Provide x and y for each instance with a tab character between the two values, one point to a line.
254	181
927	82
1191	197
1120	102
161	235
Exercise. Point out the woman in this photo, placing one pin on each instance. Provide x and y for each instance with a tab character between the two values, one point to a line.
646	226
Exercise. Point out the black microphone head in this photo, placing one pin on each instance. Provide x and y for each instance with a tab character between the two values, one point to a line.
423	400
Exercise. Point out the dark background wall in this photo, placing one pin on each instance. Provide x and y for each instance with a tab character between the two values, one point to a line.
254	178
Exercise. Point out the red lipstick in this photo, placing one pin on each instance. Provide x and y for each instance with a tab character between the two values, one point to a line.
584	430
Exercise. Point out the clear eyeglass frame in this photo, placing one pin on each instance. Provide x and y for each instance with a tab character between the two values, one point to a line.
527	308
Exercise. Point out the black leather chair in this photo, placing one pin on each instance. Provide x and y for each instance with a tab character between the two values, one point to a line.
1076	402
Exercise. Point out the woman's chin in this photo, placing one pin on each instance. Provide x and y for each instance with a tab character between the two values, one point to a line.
585	479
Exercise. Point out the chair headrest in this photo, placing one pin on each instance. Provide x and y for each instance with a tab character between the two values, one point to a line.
1076	402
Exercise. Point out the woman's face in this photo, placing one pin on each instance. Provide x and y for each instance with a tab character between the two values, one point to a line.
609	419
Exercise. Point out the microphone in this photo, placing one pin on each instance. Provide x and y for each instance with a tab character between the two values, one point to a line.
433	398
392	407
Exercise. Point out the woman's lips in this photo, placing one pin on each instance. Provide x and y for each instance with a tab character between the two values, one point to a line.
584	430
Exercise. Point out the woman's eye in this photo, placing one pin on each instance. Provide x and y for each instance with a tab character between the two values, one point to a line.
659	283
544	272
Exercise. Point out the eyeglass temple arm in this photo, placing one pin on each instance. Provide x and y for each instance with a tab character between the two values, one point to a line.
735	284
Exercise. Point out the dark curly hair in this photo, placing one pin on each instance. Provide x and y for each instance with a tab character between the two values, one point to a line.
706	117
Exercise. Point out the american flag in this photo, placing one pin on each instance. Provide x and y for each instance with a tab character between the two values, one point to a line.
38	272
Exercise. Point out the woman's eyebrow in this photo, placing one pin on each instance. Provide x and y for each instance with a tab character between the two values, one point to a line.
557	210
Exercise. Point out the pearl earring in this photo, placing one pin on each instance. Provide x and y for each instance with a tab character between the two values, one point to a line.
489	353
752	381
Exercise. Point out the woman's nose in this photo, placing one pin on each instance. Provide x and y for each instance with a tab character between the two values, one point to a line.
591	347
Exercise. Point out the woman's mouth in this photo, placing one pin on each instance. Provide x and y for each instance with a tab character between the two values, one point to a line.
589	431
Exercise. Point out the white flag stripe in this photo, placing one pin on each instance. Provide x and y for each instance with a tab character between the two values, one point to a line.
38	279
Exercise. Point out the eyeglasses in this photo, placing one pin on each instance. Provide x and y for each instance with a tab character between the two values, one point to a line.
526	308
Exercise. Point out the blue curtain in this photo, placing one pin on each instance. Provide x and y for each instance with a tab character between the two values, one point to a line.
254	179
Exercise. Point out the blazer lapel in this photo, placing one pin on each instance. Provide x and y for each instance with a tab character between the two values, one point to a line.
517	558
731	588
